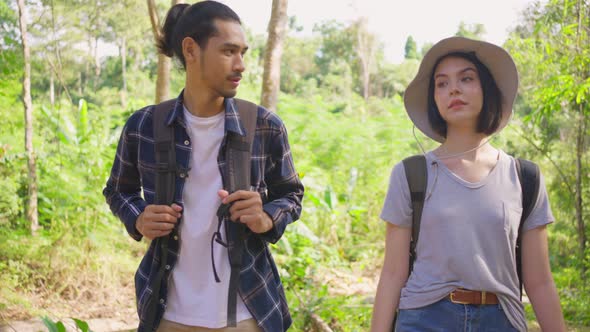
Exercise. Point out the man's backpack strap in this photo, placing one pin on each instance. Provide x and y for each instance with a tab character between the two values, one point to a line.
165	153
529	177
417	177
240	147
238	156
165	157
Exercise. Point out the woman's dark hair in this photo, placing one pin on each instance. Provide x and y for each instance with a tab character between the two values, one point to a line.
196	21
491	113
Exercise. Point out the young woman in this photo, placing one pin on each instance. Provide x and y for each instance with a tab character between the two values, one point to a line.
465	276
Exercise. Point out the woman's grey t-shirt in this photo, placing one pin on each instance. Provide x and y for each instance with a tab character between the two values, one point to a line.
468	233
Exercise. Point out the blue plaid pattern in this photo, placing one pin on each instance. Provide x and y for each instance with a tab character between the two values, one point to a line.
130	188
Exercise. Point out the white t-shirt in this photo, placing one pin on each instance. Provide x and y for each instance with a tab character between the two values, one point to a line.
194	298
467	234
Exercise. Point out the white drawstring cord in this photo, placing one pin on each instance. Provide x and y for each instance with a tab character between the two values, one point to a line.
417	141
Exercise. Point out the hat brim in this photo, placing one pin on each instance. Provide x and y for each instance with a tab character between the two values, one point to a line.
495	58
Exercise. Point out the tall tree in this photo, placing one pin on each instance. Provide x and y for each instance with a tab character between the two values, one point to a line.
336	45
347	54
366	46
411	49
123	54
164	62
32	213
271	78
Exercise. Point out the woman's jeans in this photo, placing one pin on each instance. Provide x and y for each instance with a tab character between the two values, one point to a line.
446	316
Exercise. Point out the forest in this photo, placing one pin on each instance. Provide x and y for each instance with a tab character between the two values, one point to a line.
64	101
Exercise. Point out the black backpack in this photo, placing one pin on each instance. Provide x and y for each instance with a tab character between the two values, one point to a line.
417	177
238	156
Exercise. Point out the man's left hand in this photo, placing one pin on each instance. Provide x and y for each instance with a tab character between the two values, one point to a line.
246	207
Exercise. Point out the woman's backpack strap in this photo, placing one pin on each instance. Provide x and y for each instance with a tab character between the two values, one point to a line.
417	177
530	179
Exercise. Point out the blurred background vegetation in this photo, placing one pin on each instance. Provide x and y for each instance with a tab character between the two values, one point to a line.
342	104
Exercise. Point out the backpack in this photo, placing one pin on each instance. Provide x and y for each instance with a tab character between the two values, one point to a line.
238	155
417	177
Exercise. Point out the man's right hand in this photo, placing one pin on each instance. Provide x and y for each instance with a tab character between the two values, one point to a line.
158	220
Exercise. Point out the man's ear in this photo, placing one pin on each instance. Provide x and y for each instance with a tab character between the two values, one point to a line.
190	49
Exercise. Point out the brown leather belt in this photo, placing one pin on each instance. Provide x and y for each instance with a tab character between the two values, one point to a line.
465	296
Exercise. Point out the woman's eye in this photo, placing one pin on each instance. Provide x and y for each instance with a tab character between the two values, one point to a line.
441	84
467	79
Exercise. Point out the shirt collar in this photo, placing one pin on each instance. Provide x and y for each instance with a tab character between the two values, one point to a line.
232	117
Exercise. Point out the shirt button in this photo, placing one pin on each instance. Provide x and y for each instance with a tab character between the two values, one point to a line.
175	237
182	175
162	301
167	267
187	142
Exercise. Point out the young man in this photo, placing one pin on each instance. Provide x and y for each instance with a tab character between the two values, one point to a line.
209	41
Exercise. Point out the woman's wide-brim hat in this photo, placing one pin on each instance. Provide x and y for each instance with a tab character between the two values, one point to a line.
495	58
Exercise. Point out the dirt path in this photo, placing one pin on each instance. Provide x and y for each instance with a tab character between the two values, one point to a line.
356	281
114	315
96	325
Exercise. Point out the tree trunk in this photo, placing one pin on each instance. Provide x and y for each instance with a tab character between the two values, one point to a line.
51	91
580	139
154	19
124	72
80	84
96	64
32	213
164	62
57	67
271	79
319	325
365	50
580	133
163	79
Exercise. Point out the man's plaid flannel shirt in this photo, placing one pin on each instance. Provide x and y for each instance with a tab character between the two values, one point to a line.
273	176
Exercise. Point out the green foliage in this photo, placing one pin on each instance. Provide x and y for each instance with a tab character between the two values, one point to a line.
337	43
8	25
573	295
307	295
12	157
53	326
298	67
59	326
353	152
82	325
411	49
473	31
551	49
343	145
11	188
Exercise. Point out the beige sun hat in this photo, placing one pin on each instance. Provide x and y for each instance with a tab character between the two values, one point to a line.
495	58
